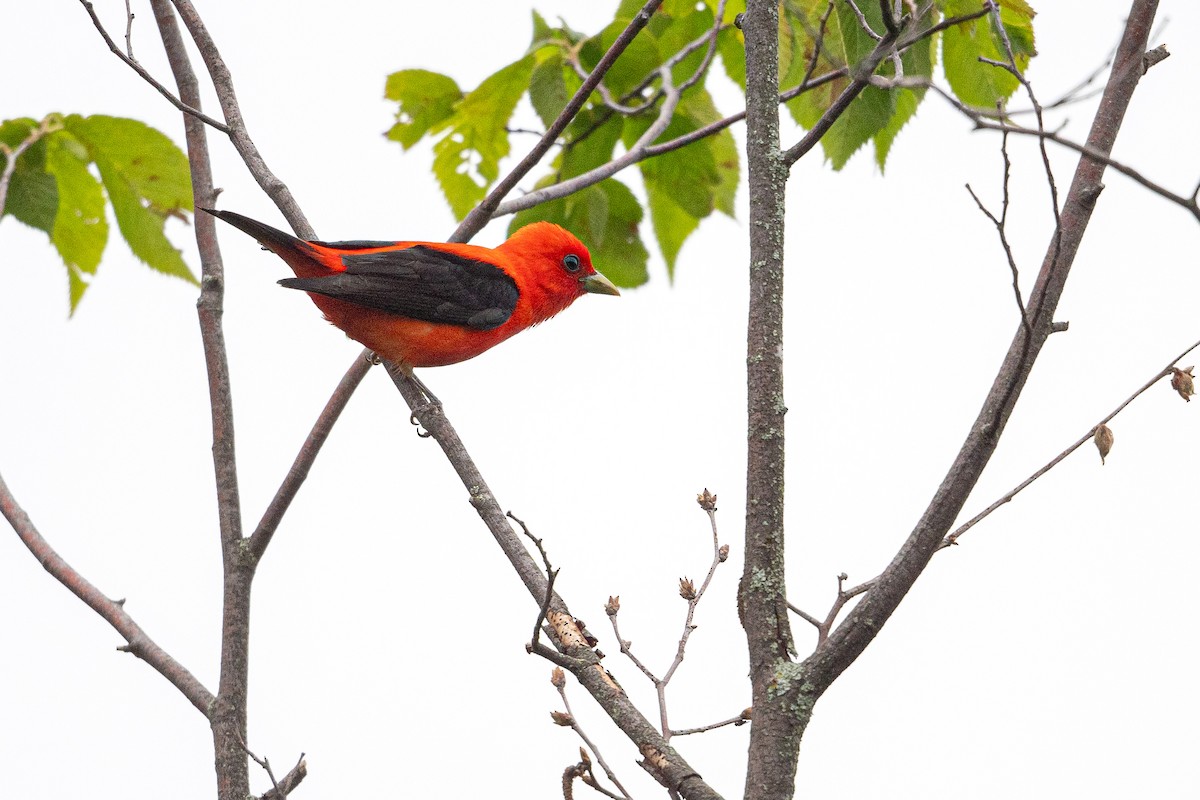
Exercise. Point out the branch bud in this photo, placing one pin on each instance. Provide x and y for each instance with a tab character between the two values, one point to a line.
562	718
558	678
1181	381
707	500
687	589
613	605
1104	440
723	553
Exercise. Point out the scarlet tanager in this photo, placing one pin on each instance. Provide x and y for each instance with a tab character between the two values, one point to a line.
427	304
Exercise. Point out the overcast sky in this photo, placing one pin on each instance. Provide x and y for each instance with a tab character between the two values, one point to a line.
1051	655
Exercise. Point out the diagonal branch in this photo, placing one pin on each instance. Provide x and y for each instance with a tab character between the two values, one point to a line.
669	768
112	611
146	76
1008	497
850	638
222	80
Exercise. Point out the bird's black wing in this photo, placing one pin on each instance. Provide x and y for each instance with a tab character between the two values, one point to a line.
421	283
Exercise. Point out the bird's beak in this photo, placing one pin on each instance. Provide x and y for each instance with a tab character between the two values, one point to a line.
598	284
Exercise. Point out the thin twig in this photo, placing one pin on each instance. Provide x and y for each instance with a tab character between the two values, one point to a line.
288	782
840	600
551	576
222	81
740	719
1001	225
1007	498
575	726
147	77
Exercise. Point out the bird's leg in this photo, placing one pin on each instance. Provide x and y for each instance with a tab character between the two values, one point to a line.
432	398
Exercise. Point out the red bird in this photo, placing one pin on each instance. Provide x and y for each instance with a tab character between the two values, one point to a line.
427	304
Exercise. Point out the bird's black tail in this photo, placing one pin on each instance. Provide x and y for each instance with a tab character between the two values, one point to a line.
273	239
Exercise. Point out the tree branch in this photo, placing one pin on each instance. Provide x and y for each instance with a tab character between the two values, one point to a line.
222	81
1008	497
229	711
321	429
669	767
111	611
487	210
851	637
146	76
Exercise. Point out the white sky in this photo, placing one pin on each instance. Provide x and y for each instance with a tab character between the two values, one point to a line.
1052	655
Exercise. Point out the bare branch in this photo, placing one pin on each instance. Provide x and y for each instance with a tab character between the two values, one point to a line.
146	76
222	81
1008	497
580	659
861	626
111	611
740	719
261	537
561	686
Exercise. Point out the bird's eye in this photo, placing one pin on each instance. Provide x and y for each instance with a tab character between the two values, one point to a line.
570	262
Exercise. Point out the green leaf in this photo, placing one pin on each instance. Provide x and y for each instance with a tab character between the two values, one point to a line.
426	99
973	82
591	139
146	159
867	115
548	88
672	225
638	60
147	180
32	194
731	46
685	185
80	227
467	159
605	217
917	62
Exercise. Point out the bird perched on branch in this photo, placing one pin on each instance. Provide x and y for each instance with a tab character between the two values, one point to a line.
428	304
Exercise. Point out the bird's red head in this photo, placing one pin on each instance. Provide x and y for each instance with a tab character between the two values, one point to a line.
560	267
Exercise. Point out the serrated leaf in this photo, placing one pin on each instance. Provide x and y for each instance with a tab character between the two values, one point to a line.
80	228
731	47
146	160
672	225
147	179
865	117
685	185
973	82
638	60
918	62
548	88
467	159
426	99
605	217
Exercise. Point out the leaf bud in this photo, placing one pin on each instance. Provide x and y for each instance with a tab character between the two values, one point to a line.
1104	440
613	605
562	718
707	500
723	553
558	678
687	589
1181	381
